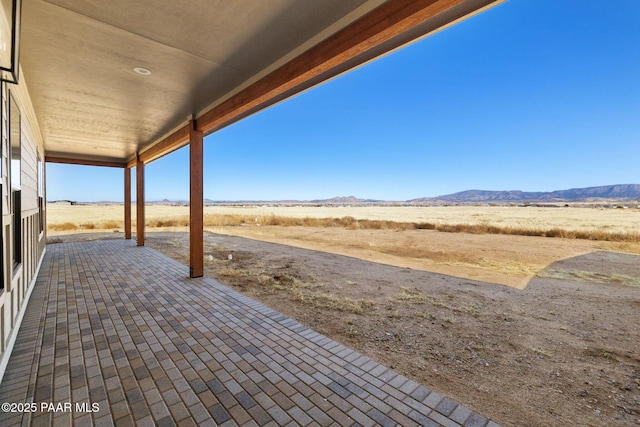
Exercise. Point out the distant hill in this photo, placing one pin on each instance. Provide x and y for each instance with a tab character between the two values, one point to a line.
349	200
621	191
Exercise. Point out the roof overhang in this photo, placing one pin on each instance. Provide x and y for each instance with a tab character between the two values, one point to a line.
213	61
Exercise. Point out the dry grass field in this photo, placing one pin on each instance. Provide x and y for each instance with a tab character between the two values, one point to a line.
503	245
558	346
534	218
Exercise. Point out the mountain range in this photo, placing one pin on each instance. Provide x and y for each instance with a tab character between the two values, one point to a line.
593	194
602	194
620	191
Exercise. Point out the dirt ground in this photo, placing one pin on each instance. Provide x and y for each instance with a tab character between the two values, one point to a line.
561	346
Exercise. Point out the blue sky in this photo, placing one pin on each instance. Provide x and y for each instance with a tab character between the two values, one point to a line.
533	95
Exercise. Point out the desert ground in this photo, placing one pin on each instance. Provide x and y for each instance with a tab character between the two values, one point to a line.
525	330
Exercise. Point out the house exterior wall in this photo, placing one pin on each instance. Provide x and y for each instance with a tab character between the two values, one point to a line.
19	277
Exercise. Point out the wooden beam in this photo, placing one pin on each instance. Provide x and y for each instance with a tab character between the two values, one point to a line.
196	201
83	162
132	163
140	202
127	203
386	28
176	140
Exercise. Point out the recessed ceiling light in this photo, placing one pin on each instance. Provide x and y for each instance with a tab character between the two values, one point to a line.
142	71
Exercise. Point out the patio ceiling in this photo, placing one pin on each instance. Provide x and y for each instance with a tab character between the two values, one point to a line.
214	60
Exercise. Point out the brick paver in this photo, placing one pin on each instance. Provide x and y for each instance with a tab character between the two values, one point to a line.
117	334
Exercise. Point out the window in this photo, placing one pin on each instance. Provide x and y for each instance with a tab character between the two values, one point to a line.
15	172
40	194
14	140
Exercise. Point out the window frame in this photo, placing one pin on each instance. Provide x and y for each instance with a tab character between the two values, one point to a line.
14	120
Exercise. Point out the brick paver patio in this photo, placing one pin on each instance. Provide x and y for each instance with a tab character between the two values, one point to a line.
116	334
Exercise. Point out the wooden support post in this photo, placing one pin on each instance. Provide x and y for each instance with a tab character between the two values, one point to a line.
196	201
127	203
140	202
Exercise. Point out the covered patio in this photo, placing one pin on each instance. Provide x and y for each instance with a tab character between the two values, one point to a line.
191	69
112	332
117	334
